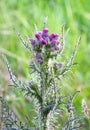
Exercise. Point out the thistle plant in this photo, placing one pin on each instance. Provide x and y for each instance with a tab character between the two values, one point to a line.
45	89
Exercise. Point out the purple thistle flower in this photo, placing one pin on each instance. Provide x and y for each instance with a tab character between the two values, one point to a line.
53	36
38	35
39	58
33	42
54	42
43	38
45	34
55	45
44	42
45	30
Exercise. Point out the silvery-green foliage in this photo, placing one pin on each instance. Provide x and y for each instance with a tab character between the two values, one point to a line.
8	118
44	88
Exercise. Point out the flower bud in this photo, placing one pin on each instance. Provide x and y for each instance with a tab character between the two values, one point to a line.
39	58
45	30
45	34
53	36
38	35
44	42
53	42
33	42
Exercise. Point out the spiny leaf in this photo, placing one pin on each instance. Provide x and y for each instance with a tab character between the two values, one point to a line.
22	40
74	52
16	82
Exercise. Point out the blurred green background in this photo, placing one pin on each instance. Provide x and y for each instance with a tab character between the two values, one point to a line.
22	15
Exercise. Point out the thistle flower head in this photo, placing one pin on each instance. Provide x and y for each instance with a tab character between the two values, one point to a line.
45	30
44	42
49	41
53	36
33	42
38	35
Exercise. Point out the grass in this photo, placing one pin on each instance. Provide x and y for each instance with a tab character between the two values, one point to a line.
23	15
